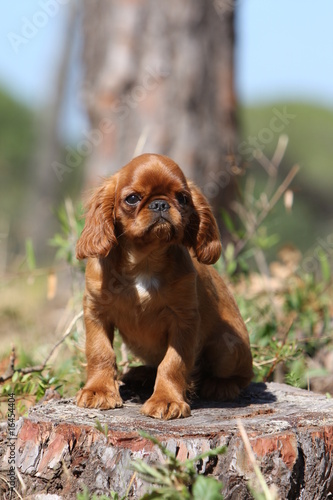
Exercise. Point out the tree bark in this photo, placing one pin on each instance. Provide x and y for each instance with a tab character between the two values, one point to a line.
158	77
59	449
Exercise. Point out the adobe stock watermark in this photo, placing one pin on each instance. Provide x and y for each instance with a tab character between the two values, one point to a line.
117	284
278	122
220	180
120	111
30	27
322	251
231	341
223	7
247	149
11	439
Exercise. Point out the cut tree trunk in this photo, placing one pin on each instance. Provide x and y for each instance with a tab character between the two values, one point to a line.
60	450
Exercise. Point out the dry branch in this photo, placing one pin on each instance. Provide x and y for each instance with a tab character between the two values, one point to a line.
271	204
37	368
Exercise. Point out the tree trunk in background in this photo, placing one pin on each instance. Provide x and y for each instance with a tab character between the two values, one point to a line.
158	77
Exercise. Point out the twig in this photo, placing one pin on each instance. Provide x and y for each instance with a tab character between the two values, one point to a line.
280	150
265	162
258	364
141	141
263	267
37	368
271	166
130	484
124	357
275	198
269	493
7	483
10	369
66	334
23	485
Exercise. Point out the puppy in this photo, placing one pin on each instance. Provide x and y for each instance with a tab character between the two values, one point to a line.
150	237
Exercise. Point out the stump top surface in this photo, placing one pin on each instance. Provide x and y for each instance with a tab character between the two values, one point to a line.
290	431
263	408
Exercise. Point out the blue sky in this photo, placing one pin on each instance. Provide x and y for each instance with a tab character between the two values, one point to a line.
284	51
27	69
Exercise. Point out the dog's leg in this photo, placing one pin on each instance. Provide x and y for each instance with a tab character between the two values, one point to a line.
173	374
169	398
101	389
226	363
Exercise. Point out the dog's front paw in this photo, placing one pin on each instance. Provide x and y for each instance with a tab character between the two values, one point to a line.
102	398
164	409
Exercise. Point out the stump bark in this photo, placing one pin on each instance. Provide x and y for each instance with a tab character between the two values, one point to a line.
59	450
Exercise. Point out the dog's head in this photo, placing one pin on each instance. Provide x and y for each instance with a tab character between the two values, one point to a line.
147	204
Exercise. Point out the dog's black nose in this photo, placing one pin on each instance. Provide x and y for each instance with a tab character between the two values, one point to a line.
159	206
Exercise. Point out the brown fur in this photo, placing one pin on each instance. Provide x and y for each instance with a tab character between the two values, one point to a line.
148	275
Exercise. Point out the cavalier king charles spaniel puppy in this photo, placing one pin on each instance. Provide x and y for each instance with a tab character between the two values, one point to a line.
150	238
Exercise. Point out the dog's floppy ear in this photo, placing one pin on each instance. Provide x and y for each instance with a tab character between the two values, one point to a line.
98	235
202	233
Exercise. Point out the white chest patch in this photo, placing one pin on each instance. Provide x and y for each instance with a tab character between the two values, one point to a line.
145	285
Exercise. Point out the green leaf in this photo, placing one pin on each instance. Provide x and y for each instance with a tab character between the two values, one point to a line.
243	264
156	475
324	266
231	267
84	495
207	454
228	221
103	429
154	440
153	495
207	488
30	254
292	379
229	252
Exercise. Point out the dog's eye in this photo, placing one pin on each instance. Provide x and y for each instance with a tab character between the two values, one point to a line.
132	199
182	199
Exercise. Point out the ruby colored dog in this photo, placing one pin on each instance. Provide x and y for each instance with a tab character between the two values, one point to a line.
150	237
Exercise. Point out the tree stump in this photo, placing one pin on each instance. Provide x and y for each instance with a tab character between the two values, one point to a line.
59	450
